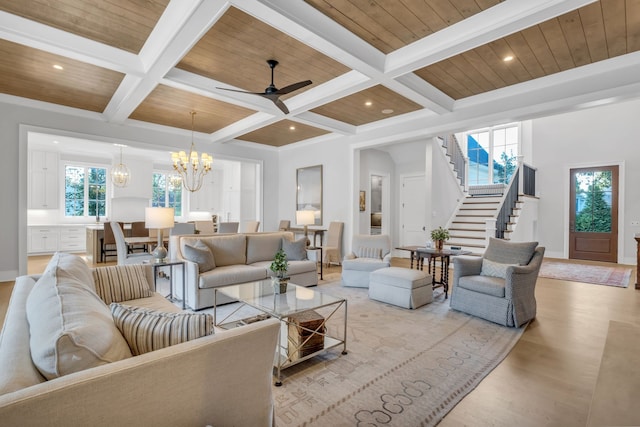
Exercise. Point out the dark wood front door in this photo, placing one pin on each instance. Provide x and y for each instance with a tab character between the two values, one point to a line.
593	222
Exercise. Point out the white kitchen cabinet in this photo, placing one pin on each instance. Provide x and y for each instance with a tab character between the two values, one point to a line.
72	239
43	180
208	198
42	239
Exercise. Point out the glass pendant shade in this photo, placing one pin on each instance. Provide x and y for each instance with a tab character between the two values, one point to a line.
120	175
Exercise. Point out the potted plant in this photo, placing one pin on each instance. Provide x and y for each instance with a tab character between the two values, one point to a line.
280	266
439	236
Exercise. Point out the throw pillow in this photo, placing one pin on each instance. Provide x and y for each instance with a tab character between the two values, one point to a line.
494	269
70	327
147	330
201	255
295	250
365	252
121	283
69	266
506	252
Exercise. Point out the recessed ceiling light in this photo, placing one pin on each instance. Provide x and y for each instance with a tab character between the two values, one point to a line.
58	67
507	58
368	103
387	111
120	145
56	141
292	127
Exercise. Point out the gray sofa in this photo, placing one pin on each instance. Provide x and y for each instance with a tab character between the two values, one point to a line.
238	258
223	379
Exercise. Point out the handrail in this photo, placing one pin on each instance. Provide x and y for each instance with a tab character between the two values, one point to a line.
528	180
508	204
458	159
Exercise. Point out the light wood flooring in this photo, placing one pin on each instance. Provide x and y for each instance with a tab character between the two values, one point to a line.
550	376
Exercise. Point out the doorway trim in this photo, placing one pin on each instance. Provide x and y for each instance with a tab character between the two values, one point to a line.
386	200
567	202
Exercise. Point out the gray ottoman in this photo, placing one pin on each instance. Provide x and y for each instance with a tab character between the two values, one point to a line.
401	286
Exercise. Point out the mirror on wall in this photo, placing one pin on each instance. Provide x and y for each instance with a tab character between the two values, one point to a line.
376	204
309	191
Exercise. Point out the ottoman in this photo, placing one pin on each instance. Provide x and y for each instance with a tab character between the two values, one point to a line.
401	286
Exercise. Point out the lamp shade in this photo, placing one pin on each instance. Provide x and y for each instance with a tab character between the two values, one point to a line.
159	217
305	217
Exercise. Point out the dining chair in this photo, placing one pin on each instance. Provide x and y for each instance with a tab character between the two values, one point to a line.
332	251
139	229
228	227
284	225
124	257
180	228
205	227
250	227
108	243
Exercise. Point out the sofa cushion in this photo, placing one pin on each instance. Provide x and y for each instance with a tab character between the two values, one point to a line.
506	252
295	250
228	250
201	255
121	282
263	247
367	252
147	330
483	284
363	264
494	269
231	275
69	266
70	327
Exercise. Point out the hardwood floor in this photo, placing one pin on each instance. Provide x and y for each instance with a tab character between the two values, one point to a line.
549	378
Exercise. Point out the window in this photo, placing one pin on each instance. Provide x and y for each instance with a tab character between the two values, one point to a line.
85	191
167	191
493	154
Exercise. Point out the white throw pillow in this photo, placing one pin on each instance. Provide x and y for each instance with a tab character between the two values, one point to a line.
494	269
147	330
70	327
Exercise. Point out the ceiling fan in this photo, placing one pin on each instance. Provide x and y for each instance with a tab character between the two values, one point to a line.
272	93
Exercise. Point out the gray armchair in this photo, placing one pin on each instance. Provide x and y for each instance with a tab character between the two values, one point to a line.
500	286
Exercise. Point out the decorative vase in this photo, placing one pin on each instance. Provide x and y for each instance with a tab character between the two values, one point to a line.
439	244
280	285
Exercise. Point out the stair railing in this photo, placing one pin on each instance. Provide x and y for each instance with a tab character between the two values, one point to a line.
458	159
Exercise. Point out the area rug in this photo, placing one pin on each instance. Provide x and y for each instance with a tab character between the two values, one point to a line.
403	367
595	274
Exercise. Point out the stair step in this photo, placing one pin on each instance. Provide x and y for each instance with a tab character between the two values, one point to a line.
450	243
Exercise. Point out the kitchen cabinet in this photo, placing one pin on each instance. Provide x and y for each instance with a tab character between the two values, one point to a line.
43	180
42	239
72	239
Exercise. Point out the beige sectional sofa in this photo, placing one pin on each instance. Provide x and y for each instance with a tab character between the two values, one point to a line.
238	258
224	379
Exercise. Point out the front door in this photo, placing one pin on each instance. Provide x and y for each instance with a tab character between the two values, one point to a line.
593	221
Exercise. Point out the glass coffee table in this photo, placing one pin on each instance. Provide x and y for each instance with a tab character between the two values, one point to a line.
311	321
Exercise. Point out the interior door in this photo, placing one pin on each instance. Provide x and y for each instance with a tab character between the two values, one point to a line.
413	211
593	216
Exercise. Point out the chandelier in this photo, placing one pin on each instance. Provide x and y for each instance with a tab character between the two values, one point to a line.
120	175
189	167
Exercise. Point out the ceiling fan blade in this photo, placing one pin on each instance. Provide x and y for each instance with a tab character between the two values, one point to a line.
240	91
293	87
281	105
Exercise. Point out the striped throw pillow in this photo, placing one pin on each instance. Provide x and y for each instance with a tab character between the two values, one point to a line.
147	330
364	252
121	283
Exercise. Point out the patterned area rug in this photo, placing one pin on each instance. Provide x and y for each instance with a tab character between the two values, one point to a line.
403	367
595	274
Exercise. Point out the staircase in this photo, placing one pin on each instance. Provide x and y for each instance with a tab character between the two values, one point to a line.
468	227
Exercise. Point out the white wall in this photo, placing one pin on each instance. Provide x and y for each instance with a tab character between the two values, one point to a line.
598	136
13	170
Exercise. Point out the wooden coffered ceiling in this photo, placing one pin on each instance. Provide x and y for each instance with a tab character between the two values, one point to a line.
374	64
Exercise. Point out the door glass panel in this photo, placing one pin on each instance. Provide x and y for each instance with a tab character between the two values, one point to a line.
593	202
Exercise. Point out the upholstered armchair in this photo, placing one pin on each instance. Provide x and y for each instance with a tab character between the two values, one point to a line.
369	253
499	286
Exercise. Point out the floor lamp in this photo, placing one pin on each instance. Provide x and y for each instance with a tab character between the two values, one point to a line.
159	218
305	218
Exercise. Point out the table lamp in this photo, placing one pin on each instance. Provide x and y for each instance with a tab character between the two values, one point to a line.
159	218
305	218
